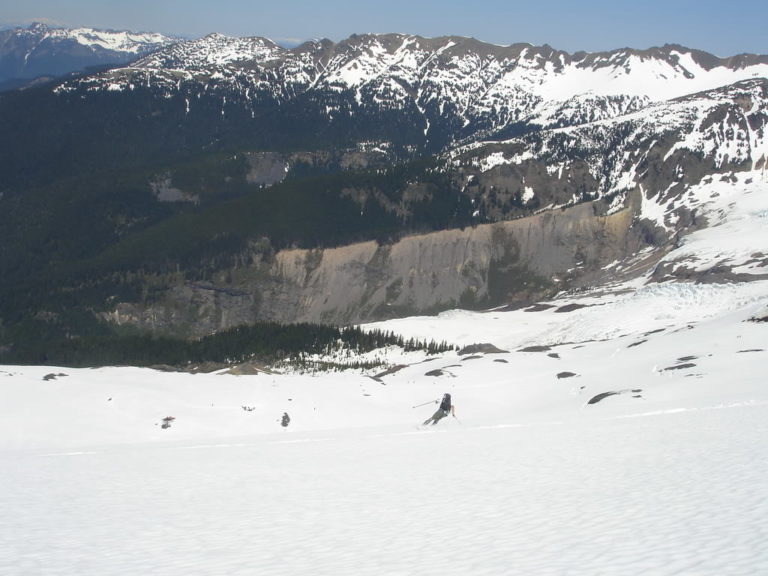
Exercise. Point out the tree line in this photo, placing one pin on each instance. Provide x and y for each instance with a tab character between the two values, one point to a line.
264	342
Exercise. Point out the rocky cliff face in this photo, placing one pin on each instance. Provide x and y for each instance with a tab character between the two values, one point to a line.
487	265
638	168
604	191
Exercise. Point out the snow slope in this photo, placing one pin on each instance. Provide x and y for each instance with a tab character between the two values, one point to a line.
122	41
620	430
117	41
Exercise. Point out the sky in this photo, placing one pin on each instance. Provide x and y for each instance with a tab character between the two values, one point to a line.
724	29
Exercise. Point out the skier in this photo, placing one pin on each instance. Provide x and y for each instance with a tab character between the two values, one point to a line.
445	408
285	420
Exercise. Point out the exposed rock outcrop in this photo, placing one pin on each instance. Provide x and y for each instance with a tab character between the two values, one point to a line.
487	265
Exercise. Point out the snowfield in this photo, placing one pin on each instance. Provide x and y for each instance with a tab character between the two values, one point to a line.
621	430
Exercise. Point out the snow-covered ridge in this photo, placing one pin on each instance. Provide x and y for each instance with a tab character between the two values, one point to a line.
212	51
136	43
478	89
40	51
662	149
590	126
416	62
728	124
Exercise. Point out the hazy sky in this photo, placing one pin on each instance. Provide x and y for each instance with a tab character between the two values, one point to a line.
723	28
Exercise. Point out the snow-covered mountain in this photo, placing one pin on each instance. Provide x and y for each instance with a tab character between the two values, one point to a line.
460	88
658	151
521	134
522	129
605	116
40	50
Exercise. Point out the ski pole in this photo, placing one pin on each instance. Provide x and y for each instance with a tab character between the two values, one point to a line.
425	403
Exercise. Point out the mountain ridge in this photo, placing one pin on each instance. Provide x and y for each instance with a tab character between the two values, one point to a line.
40	50
219	180
461	88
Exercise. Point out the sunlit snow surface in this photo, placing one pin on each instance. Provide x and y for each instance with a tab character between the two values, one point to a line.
665	476
92	39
